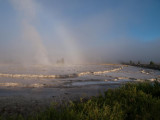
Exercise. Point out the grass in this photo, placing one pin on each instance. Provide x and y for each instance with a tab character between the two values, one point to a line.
133	101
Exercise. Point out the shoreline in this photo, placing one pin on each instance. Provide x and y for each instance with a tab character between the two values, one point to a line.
148	66
27	101
118	103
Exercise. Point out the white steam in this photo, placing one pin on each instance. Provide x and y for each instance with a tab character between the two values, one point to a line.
27	10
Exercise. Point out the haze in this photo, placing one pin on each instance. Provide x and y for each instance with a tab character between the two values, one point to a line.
80	31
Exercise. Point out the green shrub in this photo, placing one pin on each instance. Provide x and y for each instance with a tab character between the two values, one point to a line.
133	101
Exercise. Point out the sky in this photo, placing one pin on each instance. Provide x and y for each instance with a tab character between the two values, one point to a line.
80	31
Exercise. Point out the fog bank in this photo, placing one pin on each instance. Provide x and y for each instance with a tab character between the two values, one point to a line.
44	32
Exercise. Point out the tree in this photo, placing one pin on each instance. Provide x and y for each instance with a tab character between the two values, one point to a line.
130	62
151	63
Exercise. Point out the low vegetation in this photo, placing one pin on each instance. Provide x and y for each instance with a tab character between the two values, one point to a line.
133	101
150	65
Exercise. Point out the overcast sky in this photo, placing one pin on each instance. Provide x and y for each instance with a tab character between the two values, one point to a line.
43	31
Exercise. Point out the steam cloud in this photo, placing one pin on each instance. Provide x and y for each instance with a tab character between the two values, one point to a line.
27	10
48	33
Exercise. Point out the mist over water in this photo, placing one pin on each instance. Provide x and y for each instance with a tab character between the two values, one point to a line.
56	51
29	47
47	32
38	53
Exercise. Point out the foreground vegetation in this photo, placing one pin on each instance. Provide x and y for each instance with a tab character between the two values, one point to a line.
133	101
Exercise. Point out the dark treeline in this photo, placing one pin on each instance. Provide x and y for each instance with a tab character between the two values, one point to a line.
150	65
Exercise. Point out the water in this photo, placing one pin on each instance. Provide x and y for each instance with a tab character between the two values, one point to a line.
24	88
72	75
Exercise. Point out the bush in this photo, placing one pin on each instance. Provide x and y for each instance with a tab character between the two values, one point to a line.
151	63
133	101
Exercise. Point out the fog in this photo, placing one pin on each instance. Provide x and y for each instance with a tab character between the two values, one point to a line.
45	32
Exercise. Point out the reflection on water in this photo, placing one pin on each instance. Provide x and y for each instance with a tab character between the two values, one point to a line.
82	83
